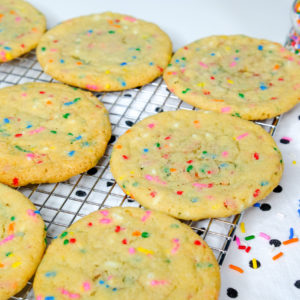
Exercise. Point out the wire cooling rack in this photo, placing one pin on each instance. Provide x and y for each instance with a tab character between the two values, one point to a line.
63	203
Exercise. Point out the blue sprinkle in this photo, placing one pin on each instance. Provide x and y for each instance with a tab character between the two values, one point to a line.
223	165
101	281
299	212
49	298
71	153
256	205
107	286
260	47
123	83
194	200
263	87
134	57
78	138
213	156
50	274
146	150
7	48
114	289
236	58
123	64
212	54
151	63
37	212
6	120
29	126
85	144
90	31
177	60
62	61
291	233
263	183
68	103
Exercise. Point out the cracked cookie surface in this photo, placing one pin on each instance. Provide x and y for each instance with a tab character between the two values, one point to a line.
237	75
105	52
196	164
49	132
128	253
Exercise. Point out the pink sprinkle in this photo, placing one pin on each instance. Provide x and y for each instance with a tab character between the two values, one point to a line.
146	215
265	236
233	64
282	49
131	250
105	221
86	286
242	136
7	239
176	246
24	95
297	86
130	19
287	138
224	153
39	298
31	213
69	294
174	73
38	130
104	212
226	109
30	156
202	64
238	241
155	179
158	282
151	125
92	87
53	50
18	19
203	185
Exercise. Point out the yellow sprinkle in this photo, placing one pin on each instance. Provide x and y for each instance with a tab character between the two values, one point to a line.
242	226
227	48
254	262
121	177
127	193
294	162
143	250
201	84
107	86
132	172
8	56
107	72
16	264
230	81
216	206
10	254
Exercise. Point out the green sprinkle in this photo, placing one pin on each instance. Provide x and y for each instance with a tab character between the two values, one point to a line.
53	131
241	95
45	240
186	90
70	133
111	31
135	184
43	48
66	116
12	218
8	253
145	234
189	168
138	49
202	170
183	58
21	149
204	152
174	226
169	65
157	145
76	99
297	51
281	161
275	148
237	51
166	170
66	242
249	237
63	234
167	261
204	265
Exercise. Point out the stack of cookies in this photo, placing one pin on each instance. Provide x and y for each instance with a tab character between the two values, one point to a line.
188	165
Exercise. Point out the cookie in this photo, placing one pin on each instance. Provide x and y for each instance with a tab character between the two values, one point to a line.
21	27
22	241
128	253
196	164
237	75
105	52
49	132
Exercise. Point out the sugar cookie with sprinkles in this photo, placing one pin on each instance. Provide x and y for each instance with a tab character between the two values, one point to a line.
237	75
196	164
105	52
22	241
49	132
21	27
128	253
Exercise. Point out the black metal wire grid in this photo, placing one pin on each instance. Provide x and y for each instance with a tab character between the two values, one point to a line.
63	203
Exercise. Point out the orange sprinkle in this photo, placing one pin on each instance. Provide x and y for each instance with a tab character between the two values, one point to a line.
196	122
129	130
79	63
276	67
235	268
169	73
1	15
11	227
290	241
49	102
110	22
217	100
50	60
12	12
117	26
119	146
136	233
34	29
173	170
1	265
277	256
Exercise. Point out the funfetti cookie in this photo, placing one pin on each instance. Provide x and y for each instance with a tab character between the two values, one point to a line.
22	241
21	27
128	253
196	164
49	132
105	52
236	75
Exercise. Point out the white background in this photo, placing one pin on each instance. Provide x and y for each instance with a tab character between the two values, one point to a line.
188	20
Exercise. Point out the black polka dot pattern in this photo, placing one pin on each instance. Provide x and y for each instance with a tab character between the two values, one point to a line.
297	284
232	293
127	95
129	123
80	193
265	207
112	139
258	264
275	243
201	231
278	189
284	141
109	183
92	171
159	109
130	200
